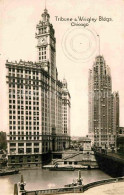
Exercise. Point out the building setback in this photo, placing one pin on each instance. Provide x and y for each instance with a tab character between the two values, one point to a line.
103	105
35	103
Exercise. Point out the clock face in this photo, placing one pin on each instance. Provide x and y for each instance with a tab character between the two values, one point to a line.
42	41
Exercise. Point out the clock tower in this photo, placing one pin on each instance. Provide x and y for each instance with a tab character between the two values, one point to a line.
46	49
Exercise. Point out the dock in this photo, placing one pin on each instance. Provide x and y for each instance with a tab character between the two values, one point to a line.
67	167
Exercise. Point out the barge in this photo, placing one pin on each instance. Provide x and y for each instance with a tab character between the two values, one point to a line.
8	172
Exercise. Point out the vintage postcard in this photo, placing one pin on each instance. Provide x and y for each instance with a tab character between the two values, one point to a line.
61	97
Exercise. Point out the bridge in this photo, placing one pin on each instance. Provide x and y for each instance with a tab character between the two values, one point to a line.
19	189
111	163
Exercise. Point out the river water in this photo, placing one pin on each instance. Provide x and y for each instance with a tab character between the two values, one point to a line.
45	179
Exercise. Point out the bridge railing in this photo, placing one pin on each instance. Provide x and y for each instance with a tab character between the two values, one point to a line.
102	182
56	191
20	188
75	189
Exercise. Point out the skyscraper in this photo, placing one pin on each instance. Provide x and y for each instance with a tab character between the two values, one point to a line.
66	106
103	105
35	103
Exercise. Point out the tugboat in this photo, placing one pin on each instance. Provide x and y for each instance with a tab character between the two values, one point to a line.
77	183
4	172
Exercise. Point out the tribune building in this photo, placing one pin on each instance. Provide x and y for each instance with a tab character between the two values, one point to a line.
103	106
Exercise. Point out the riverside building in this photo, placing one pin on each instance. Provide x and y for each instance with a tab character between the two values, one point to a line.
35	103
103	106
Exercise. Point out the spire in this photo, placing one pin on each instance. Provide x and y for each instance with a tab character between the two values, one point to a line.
45	10
99	43
45	15
45	4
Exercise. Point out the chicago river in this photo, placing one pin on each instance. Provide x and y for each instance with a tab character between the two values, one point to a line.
45	179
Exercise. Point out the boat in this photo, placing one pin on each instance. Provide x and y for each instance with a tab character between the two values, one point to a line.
8	172
67	168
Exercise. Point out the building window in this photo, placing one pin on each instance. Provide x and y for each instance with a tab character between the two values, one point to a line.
70	163
36	150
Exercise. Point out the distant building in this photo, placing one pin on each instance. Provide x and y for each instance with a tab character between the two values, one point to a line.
35	103
85	143
81	143
103	106
66	106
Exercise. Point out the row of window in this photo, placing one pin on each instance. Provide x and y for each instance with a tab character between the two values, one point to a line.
27	138
28	93
43	57
22	133
13	70
42	53
42	30
26	102
42	49
22	112
22	127
23	107
20	78
26	87
22	144
22	122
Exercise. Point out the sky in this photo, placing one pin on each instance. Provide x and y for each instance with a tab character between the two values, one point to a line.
76	47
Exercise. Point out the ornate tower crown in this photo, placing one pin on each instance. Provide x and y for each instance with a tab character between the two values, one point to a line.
45	16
